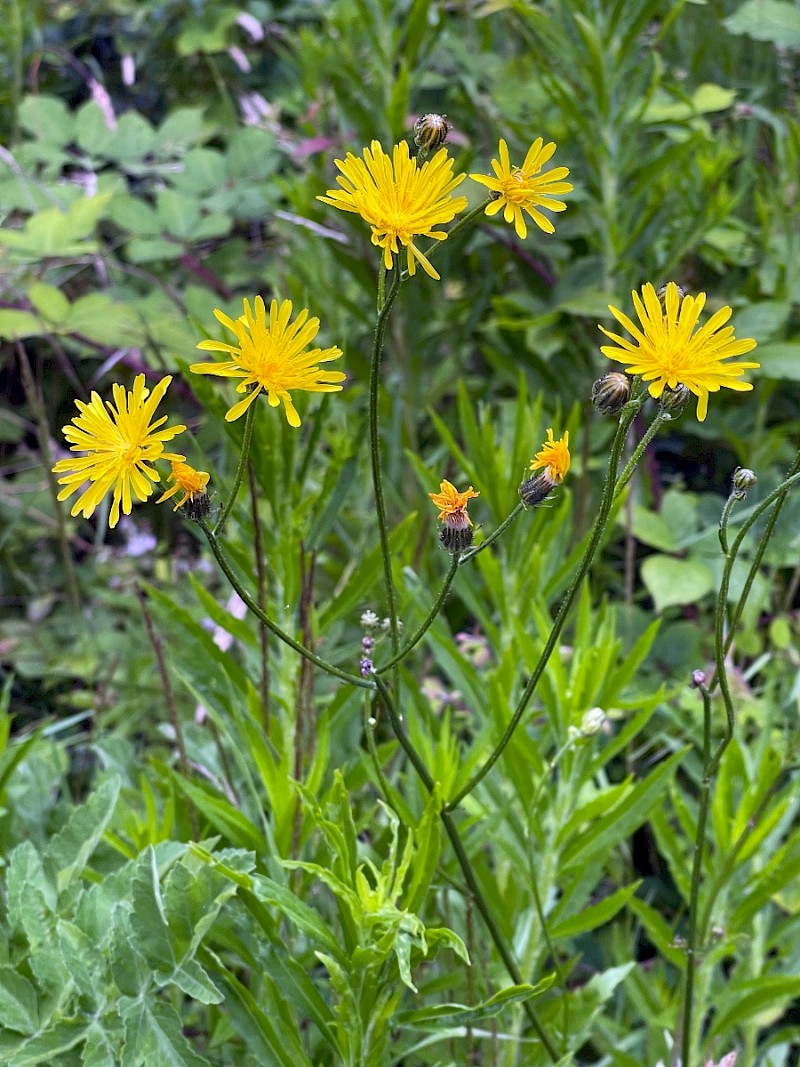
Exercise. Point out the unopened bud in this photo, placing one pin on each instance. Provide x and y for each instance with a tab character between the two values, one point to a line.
365	666
673	401
430	133
610	393
593	722
698	679
743	479
662	292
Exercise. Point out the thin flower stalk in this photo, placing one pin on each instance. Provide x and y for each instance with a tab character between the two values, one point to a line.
436	607
253	606
630	467
237	481
628	414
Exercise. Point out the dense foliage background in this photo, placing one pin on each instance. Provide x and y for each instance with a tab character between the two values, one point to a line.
203	860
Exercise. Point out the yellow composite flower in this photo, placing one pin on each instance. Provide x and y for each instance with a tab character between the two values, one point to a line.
399	199
669	350
121	441
554	457
187	480
523	189
451	502
272	357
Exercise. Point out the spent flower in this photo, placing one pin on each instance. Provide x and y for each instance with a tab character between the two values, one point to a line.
524	189
188	481
272	356
669	349
121	441
456	533
399	199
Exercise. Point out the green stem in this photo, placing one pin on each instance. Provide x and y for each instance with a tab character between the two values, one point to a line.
435	609
628	414
472	552
462	224
230	574
761	548
248	436
633	462
466	866
375	454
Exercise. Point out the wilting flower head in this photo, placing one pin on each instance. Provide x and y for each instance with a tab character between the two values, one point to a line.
399	199
187	480
121	441
555	460
456	532
272	356
518	189
669	350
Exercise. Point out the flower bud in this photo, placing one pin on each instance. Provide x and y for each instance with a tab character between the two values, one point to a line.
430	133
673	401
365	666
698	679
593	722
610	393
743	479
662	292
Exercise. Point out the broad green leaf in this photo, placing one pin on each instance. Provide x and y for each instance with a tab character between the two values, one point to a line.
45	1047
676	582
154	1036
46	118
50	303
148	919
69	851
297	912
19	1009
15	325
767	20
779	360
595	915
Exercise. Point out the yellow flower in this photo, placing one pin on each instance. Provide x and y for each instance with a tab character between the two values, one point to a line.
272	357
451	501
518	189
398	199
554	456
670	351
121	441
187	480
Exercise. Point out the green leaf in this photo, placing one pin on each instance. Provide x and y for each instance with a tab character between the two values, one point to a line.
68	852
741	1001
46	118
16	325
676	582
19	1007
50	302
297	912
154	1036
780	360
595	915
606	832
44	1048
148	919
440	1015
767	20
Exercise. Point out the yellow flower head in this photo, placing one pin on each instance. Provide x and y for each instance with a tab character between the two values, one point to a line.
668	350
398	199
451	502
554	457
187	480
272	356
121	441
518	189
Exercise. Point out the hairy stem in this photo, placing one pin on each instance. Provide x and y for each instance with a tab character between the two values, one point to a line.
248	436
